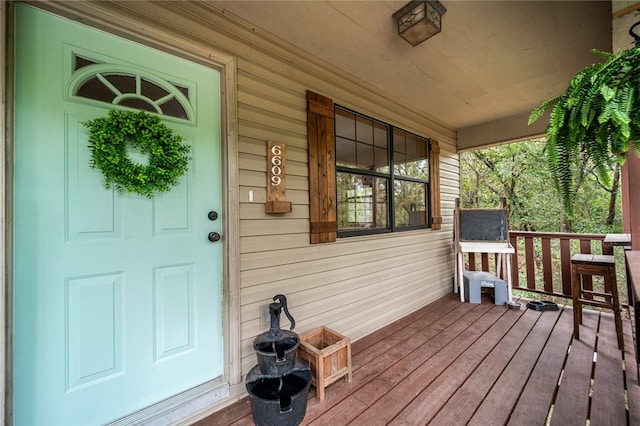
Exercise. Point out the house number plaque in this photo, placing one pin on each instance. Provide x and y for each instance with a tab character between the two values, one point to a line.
276	160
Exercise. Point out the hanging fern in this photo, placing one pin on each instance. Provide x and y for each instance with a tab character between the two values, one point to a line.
598	115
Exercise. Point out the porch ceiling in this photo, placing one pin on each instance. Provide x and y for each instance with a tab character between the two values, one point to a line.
493	60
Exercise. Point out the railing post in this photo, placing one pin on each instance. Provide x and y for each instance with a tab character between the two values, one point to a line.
565	262
515	279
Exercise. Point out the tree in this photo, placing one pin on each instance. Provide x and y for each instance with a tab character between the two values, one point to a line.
597	116
515	172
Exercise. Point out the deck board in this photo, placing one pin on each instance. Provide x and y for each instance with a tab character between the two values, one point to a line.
428	362
392	337
608	400
458	363
403	325
498	404
572	402
426	405
536	398
631	375
415	353
387	356
463	404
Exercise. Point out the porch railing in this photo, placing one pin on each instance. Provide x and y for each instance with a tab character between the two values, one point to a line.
542	261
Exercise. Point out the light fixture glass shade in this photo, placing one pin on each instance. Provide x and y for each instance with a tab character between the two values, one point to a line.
419	20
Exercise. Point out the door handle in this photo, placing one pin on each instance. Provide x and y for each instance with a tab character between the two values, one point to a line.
213	237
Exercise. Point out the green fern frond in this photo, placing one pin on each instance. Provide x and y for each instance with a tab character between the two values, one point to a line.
539	112
604	55
564	179
598	116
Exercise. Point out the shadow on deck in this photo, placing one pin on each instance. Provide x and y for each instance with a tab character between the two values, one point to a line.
453	363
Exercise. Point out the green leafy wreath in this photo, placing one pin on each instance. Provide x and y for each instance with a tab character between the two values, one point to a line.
108	141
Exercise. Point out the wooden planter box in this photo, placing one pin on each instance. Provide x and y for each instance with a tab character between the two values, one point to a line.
329	355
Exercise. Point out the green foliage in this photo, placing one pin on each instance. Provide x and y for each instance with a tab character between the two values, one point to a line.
515	172
597	116
109	138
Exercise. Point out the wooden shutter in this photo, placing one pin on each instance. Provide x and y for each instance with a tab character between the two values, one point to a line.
322	171
436	214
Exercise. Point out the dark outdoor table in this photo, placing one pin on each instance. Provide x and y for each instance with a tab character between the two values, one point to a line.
633	280
618	239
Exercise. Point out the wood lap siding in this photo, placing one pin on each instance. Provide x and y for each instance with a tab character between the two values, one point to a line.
353	285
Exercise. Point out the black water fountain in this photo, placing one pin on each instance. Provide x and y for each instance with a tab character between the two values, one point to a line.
278	386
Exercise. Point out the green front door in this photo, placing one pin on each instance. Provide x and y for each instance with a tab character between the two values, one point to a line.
117	297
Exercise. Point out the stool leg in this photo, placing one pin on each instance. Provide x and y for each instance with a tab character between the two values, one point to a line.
615	302
575	284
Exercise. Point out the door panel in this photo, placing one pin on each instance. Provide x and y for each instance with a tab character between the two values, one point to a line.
86	221
117	297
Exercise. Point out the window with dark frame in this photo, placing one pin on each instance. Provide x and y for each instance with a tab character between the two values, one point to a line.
382	176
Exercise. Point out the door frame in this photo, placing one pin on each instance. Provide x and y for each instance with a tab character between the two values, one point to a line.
156	34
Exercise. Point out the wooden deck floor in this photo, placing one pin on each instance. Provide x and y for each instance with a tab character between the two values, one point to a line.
454	363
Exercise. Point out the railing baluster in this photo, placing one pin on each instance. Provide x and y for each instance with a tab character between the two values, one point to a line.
530	258
565	262
585	246
485	262
547	267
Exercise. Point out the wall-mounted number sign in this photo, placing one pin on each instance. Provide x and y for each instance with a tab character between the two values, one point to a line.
276	159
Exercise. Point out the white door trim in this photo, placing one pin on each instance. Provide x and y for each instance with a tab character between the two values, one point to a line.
159	35
6	245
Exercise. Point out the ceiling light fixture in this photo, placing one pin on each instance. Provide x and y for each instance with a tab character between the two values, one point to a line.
419	20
